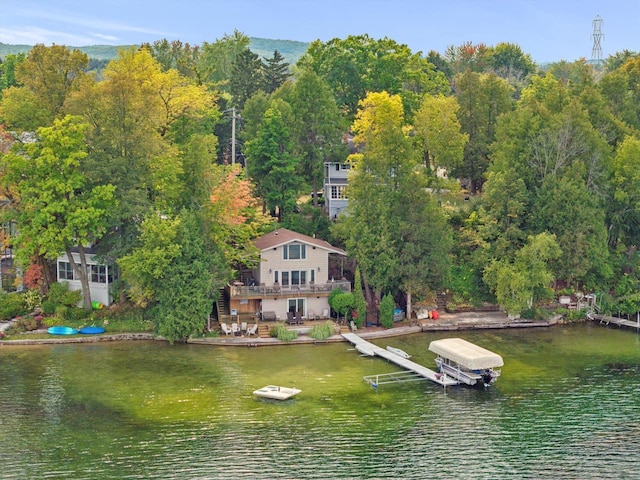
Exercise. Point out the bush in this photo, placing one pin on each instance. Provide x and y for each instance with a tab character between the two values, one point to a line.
48	307
282	333
321	332
387	306
60	294
12	305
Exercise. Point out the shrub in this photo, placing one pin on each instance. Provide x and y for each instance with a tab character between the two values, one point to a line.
48	307
321	332
12	305
282	333
32	300
387	305
60	294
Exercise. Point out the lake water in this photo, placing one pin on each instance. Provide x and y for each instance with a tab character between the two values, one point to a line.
566	407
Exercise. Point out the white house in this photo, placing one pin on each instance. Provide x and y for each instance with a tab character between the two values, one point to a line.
100	277
292	276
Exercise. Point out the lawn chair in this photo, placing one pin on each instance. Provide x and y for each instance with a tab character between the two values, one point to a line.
353	326
243	327
234	329
225	329
252	330
290	318
325	313
299	319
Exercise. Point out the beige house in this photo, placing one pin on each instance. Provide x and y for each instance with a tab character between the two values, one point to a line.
292	276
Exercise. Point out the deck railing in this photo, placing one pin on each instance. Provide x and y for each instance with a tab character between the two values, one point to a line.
256	291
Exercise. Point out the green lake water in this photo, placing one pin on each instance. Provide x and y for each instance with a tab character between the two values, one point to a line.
566	407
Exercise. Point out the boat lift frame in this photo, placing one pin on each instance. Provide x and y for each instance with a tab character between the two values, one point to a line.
393	377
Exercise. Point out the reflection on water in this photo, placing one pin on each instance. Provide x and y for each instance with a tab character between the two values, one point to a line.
565	407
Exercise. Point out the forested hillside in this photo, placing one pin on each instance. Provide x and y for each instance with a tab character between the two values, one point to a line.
473	174
290	50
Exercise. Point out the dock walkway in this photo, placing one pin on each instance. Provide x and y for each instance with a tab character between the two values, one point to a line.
620	322
398	360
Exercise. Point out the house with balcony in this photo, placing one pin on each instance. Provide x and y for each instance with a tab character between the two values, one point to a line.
292	276
335	187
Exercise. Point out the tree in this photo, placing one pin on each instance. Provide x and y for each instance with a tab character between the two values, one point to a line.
482	99
624	206
58	210
387	307
247	77
8	68
439	131
519	283
396	248
508	61
357	65
197	272
360	304
272	166
318	126
275	72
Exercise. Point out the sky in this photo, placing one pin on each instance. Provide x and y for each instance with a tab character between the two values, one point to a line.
548	30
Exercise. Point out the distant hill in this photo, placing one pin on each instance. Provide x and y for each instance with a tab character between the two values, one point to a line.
289	49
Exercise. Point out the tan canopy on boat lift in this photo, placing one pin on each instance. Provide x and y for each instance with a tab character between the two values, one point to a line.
466	353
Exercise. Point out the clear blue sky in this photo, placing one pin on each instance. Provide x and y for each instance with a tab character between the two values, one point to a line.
548	30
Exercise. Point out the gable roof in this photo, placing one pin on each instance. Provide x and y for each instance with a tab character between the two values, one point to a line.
283	236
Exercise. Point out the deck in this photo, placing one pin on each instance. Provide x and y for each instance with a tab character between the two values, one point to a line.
417	369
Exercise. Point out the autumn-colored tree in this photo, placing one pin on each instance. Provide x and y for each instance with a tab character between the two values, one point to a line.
47	77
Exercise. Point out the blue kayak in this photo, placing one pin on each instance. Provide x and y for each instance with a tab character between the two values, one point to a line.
62	331
91	330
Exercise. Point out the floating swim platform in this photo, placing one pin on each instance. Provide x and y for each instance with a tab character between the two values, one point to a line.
91	330
61	331
276	393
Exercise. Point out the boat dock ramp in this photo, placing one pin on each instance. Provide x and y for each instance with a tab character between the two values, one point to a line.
413	371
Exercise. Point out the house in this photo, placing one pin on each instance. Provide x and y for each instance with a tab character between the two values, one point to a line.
335	186
100	278
292	276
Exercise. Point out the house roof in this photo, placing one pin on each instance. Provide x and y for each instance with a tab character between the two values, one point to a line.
283	236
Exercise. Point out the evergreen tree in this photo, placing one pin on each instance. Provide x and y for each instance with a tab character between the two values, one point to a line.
275	72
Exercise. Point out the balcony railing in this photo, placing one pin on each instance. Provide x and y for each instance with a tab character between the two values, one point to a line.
258	291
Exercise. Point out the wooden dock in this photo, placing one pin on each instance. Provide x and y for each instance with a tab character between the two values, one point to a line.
417	369
620	322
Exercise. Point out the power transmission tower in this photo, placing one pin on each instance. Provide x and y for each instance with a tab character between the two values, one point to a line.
597	36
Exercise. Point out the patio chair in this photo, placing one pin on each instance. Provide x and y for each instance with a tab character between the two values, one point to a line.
353	326
299	318
234	329
225	329
252	330
325	313
290	318
243	327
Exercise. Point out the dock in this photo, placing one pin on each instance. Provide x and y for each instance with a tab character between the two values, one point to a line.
414	371
620	322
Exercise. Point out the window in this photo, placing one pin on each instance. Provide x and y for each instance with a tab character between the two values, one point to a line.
296	305
294	251
294	278
98	273
65	271
338	192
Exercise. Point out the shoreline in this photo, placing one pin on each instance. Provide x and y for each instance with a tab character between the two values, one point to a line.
446	322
